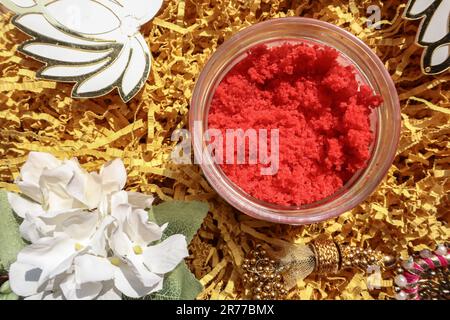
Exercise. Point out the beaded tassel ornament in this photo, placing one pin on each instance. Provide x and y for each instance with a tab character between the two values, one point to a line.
424	276
269	276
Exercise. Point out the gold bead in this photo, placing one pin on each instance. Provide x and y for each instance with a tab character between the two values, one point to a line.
267	288
246	261
356	261
263	252
278	285
389	261
257	297
253	261
272	276
258	289
272	262
273	294
278	277
267	269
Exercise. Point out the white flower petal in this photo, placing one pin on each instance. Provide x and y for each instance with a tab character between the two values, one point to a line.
165	256
98	241
140	229
140	200
114	171
119	243
86	291
53	185
84	187
127	282
89	268
79	226
34	166
31	190
22	205
29	230
52	255
109	292
24	279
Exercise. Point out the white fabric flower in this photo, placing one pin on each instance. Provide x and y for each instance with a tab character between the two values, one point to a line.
89	238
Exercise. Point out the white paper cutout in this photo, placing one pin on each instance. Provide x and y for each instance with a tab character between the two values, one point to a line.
433	34
95	43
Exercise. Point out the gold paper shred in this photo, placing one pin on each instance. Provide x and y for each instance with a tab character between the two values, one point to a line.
214	272
169	25
408	211
431	106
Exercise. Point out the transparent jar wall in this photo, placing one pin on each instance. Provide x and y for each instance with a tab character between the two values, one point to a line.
385	120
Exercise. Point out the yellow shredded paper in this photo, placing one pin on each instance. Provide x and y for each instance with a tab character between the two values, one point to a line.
409	211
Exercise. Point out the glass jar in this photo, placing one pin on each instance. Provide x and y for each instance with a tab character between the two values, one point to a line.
385	120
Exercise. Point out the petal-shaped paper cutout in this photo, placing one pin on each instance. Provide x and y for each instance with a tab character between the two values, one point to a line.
17	5
165	256
438	25
143	10
83	16
35	24
419	7
440	55
45	52
137	70
106	79
70	72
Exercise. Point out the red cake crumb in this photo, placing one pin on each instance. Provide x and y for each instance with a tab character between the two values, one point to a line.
320	109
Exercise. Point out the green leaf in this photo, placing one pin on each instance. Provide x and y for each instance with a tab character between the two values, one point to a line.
180	284
6	293
10	240
183	217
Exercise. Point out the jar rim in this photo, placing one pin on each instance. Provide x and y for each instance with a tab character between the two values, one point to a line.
244	202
